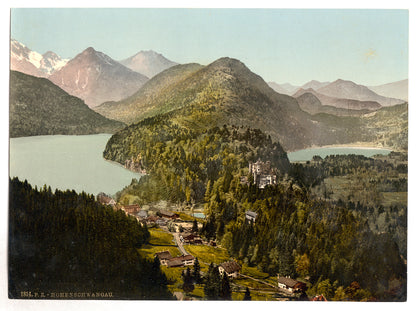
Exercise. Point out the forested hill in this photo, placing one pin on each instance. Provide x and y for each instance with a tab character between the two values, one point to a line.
238	96
39	107
67	242
184	152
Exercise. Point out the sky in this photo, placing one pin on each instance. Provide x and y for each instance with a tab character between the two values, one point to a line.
369	47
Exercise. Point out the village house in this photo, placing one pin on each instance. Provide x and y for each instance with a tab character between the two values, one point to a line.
105	199
131	209
251	216
291	285
190	238
142	214
167	214
164	257
232	269
161	222
174	262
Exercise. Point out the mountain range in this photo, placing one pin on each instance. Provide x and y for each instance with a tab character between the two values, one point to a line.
227	92
39	107
323	113
386	94
234	94
95	77
91	75
148	63
30	62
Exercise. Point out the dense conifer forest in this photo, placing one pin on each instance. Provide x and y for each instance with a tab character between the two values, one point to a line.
64	242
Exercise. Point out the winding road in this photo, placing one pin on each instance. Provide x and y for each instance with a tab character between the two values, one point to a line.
179	243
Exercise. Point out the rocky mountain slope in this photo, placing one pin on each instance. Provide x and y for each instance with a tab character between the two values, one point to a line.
96	78
39	107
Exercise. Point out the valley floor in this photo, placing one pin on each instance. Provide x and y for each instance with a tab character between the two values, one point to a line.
262	285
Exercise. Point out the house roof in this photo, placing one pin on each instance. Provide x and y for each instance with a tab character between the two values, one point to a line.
189	236
175	262
287	281
230	266
319	298
164	255
142	213
187	257
132	208
251	213
166	213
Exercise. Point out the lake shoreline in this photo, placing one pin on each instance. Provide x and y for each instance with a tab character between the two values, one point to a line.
357	145
307	154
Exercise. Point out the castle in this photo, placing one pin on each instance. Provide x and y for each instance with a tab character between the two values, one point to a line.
263	174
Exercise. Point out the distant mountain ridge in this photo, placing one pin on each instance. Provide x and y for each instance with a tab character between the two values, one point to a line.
148	63
39	107
96	78
285	88
311	104
344	103
314	84
33	63
348	89
398	89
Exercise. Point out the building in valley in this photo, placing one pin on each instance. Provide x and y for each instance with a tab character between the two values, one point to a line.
231	268
291	285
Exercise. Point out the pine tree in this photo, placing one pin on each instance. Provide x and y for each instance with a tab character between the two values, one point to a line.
225	289
188	285
212	283
197	272
247	295
195	226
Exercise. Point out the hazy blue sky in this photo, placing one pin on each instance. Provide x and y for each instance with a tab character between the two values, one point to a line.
367	46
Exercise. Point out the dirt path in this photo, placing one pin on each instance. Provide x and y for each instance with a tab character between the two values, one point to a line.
179	243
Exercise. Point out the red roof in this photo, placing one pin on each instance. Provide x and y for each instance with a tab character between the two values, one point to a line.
319	298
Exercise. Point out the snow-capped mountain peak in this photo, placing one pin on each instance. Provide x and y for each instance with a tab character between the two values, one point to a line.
31	62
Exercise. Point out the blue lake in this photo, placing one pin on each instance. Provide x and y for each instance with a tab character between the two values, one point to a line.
68	162
307	154
199	215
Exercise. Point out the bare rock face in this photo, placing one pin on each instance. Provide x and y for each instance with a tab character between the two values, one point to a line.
96	78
